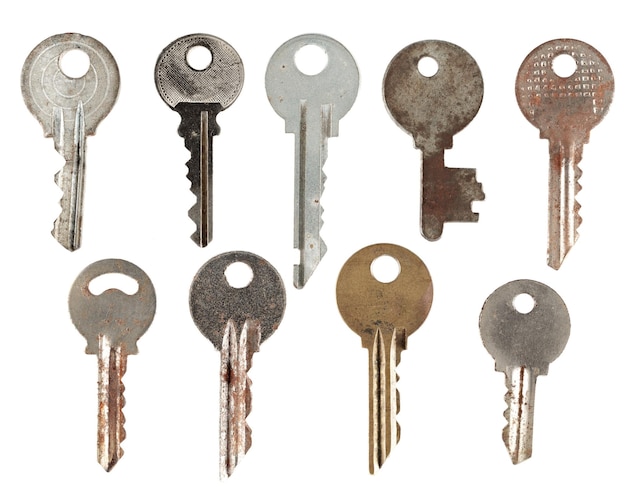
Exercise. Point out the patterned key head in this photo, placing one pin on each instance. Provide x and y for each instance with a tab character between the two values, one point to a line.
367	304
433	108
47	90
213	301
220	82
337	84
122	318
524	338
564	105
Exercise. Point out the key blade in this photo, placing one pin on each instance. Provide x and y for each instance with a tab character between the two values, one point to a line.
111	368
235	395
520	398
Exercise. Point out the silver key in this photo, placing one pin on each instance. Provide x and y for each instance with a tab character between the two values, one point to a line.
564	109
69	109
433	109
112	322
198	96
236	321
312	106
523	343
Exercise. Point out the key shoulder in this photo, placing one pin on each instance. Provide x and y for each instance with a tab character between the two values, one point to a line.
532	340
48	92
122	318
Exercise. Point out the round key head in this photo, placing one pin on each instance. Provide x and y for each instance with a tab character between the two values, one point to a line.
367	304
122	318
213	301
433	105
219	81
528	334
574	100
47	89
337	83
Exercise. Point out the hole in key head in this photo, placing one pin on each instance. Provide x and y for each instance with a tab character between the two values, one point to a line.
199	57
311	59
74	63
427	66
564	65
385	268
523	303
238	274
117	281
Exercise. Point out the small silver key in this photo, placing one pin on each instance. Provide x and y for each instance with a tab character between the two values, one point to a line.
433	109
384	315
523	343
198	95
564	109
112	322
69	109
312	106
236	321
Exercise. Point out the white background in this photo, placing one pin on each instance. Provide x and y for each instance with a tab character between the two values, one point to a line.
309	416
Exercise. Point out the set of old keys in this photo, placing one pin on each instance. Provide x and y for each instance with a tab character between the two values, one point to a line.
431	108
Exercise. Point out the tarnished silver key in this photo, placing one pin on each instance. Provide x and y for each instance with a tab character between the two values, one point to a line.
198	95
523	338
432	109
384	315
69	109
312	106
112	322
236	321
564	109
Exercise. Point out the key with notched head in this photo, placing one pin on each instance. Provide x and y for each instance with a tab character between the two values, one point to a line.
112	322
236	320
198	95
69	109
384	315
564	109
311	106
523	341
432	109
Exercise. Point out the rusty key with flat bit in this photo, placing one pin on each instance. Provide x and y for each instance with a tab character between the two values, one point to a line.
112	322
433	109
384	315
564	109
236	320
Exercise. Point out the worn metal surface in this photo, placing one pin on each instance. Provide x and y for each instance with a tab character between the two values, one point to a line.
69	109
564	109
383	315
523	344
311	106
432	109
198	96
236	321
112	322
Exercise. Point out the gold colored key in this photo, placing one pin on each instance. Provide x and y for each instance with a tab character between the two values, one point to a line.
384	315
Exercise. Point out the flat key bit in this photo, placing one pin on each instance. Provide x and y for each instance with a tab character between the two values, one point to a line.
384	315
523	342
236	321
112	323
198	95
564	109
69	109
432	109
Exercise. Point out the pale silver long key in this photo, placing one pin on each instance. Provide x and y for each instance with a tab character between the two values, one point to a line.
523	339
236	321
112	322
384	315
198	95
69	109
312	106
564	109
